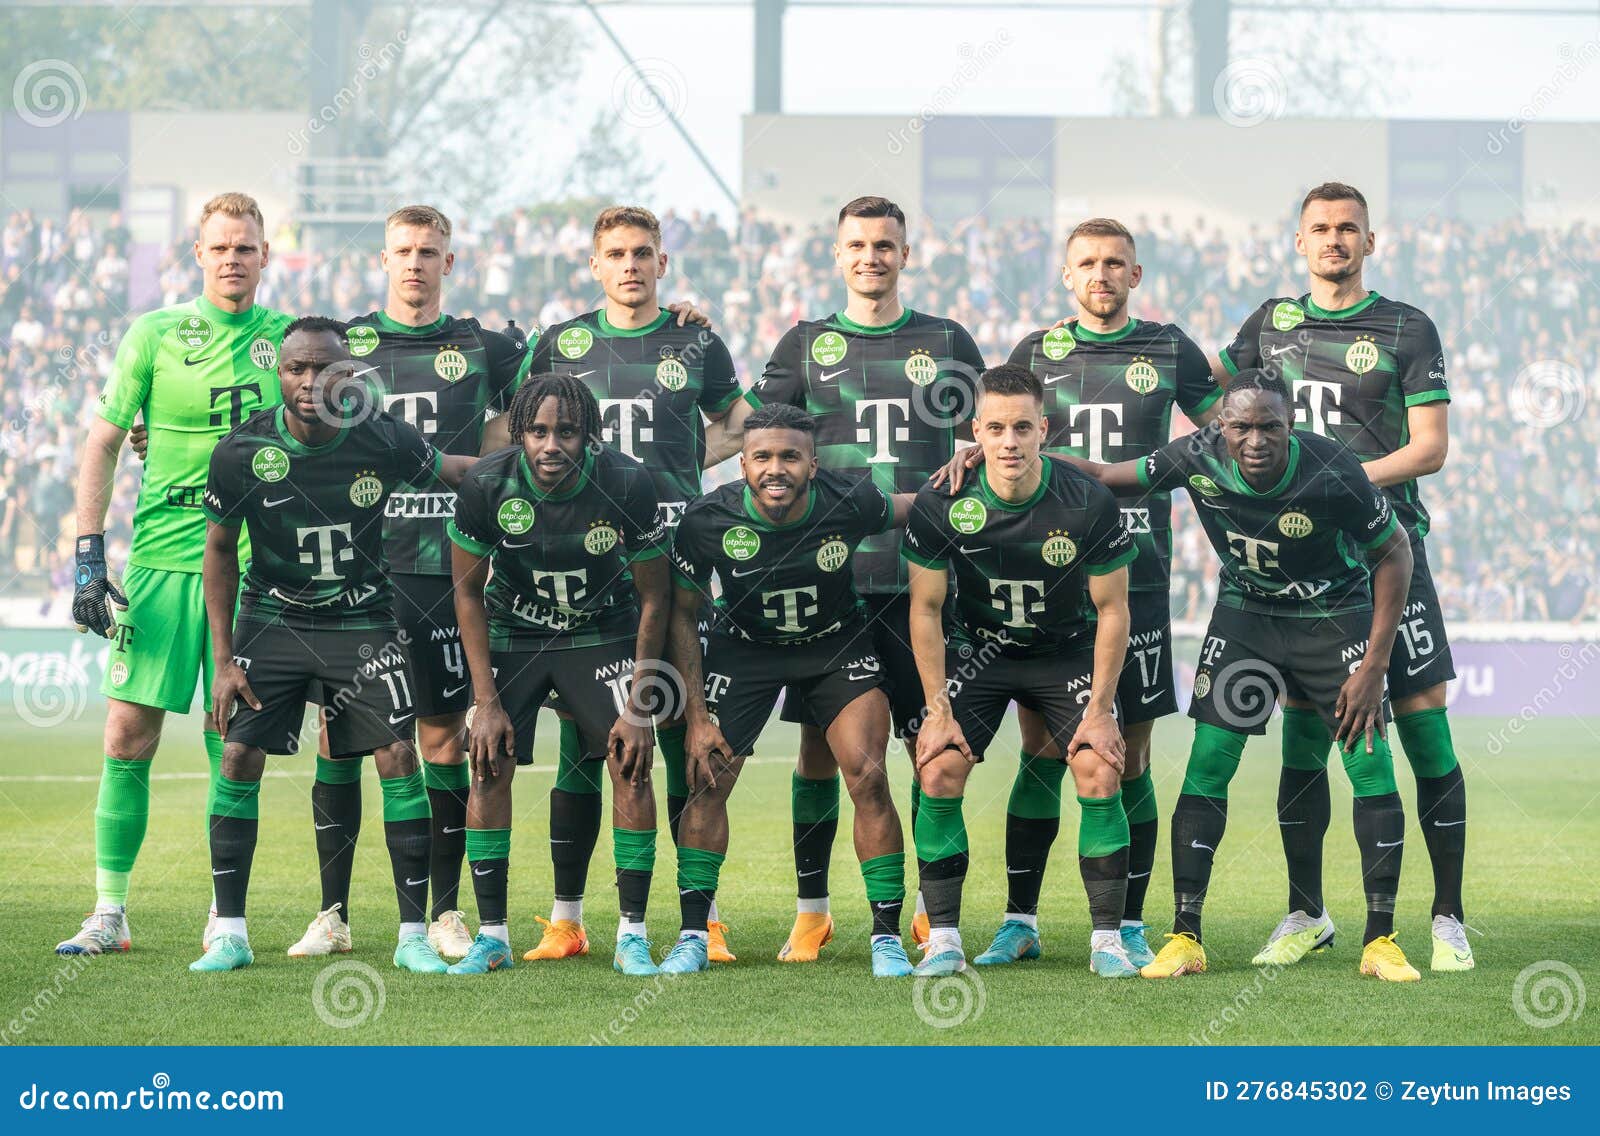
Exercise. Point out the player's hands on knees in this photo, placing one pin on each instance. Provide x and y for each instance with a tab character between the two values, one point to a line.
940	732
687	313
96	600
139	439
955	470
632	742
228	687
1101	733
1360	708
489	740
702	746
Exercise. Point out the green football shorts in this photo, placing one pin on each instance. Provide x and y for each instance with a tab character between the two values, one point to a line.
160	641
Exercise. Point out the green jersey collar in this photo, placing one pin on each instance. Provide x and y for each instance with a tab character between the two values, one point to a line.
1082	333
1283	482
584	473
755	516
231	319
295	444
990	497
851	325
611	330
1342	313
398	328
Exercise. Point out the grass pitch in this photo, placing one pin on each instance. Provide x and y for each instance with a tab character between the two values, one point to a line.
1532	886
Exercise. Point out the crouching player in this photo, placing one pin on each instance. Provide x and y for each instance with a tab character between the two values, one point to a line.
781	541
309	480
577	604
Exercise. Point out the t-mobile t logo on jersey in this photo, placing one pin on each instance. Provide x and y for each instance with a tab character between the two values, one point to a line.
1097	435
791	608
411	409
629	426
561	588
1258	555
329	547
1317	405
880	431
1012	597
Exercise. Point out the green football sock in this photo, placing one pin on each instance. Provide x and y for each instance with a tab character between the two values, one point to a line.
404	798
1307	741
699	869
1036	792
1425	736
885	877
346	771
1103	828
1371	774
214	744
238	800
940	830
573	774
1139	798
1213	760
121	816
488	844
447	778
671	739
634	850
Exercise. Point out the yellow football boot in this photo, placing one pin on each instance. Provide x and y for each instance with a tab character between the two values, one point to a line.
1182	955
717	943
1384	959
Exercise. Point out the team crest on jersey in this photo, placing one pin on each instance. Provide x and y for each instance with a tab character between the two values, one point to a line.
1288	315
601	539
119	673
362	341
1141	375
1204	486
270	464
741	542
1202	684
515	515
366	489
1294	525
832	555
1362	355
921	368
968	515
1057	344
263	353
575	342
193	331
450	364
672	374
828	348
1059	550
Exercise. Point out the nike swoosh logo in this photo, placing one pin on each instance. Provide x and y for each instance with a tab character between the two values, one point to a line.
411	883
1286	823
1018	871
266	504
858	678
1274	352
1422	666
885	906
1137	875
188	362
1207	501
452	691
1146	699
517	544
448	831
395	720
813	872
489	872
224	872
1202	847
580	374
325	827
970	551
829	376
736	573
1447	823
553	840
1051	380
1391	844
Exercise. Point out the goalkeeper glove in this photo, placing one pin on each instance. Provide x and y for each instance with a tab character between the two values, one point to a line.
95	599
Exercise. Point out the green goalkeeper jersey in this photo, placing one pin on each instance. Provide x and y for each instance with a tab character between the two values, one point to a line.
194	372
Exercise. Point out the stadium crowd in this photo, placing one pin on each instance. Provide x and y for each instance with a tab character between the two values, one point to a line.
1516	527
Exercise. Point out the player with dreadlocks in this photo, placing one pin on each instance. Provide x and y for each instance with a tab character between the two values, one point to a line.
577	604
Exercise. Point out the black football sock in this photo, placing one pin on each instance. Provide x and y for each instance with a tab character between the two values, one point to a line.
574	829
1380	824
489	853
1197	827
447	801
1303	814
406	830
814	811
1442	809
336	817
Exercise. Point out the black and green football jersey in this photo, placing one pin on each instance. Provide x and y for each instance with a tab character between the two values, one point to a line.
314	515
1294	549
559	560
1020	568
888	402
1353	374
652	383
441	378
1109	398
781	583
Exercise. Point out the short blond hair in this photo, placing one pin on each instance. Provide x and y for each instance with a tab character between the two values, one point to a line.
233	205
633	216
425	216
1101	227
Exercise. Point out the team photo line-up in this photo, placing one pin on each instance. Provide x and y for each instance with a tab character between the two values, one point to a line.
431	530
